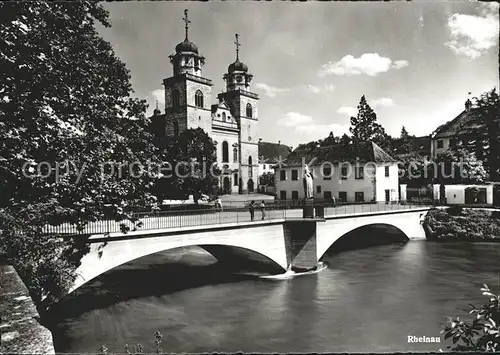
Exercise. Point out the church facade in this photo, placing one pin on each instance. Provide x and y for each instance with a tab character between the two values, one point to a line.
232	121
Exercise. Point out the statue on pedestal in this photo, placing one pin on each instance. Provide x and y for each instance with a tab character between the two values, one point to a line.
308	183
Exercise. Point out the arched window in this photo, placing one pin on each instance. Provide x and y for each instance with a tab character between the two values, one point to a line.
198	99
249	160
235	155
223	116
249	110
175	99
225	152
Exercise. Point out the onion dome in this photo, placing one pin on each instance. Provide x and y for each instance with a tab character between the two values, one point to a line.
237	66
186	46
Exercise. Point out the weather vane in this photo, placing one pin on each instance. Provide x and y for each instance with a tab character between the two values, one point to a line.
238	45
186	20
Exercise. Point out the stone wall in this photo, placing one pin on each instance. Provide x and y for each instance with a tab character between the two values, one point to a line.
20	330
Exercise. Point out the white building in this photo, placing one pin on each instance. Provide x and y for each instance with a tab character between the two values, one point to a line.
470	194
360	173
462	131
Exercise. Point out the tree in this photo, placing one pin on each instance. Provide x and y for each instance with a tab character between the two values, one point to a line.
267	179
487	107
458	166
364	127
404	133
345	140
189	167
66	115
403	144
330	140
482	334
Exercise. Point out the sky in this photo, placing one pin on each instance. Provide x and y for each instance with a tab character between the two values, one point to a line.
415	61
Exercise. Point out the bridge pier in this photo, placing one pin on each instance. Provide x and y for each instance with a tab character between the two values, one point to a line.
300	244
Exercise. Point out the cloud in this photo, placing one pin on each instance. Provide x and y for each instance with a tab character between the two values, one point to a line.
348	110
295	119
382	101
271	91
369	63
319	89
159	95
398	64
471	36
321	131
302	128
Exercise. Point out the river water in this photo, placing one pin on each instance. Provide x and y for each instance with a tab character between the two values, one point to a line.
366	300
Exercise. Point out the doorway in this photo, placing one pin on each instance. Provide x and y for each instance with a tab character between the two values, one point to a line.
250	185
226	185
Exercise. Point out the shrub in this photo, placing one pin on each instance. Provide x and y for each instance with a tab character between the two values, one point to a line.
462	224
483	333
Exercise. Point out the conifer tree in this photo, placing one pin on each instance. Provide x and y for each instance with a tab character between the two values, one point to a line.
364	127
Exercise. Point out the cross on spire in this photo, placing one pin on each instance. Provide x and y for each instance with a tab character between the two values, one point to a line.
238	45
186	20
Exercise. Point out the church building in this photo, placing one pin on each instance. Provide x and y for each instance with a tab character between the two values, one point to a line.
231	122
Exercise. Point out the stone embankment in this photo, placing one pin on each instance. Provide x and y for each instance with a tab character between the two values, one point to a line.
19	327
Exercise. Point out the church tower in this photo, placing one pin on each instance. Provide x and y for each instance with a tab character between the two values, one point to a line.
187	92
243	104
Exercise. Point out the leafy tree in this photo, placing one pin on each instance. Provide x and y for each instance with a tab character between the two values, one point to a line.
457	166
482	333
455	224
330	140
310	145
404	133
345	140
267	179
364	127
66	113
189	159
414	170
487	107
404	143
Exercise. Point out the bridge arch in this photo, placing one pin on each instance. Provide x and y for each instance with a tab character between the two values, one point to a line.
258	248
366	236
345	233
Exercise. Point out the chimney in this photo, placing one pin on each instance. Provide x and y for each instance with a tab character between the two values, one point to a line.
468	104
279	142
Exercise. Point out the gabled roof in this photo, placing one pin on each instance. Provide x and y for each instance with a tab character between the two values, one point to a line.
465	123
273	151
362	153
419	146
221	105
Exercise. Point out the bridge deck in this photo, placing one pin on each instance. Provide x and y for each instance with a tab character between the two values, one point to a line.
187	219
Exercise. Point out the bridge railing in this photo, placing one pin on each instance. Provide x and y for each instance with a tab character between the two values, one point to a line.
273	211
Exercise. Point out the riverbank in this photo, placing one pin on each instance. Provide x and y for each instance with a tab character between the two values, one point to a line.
21	331
462	224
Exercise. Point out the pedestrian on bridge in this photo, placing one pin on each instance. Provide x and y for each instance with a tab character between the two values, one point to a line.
263	209
218	204
251	208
